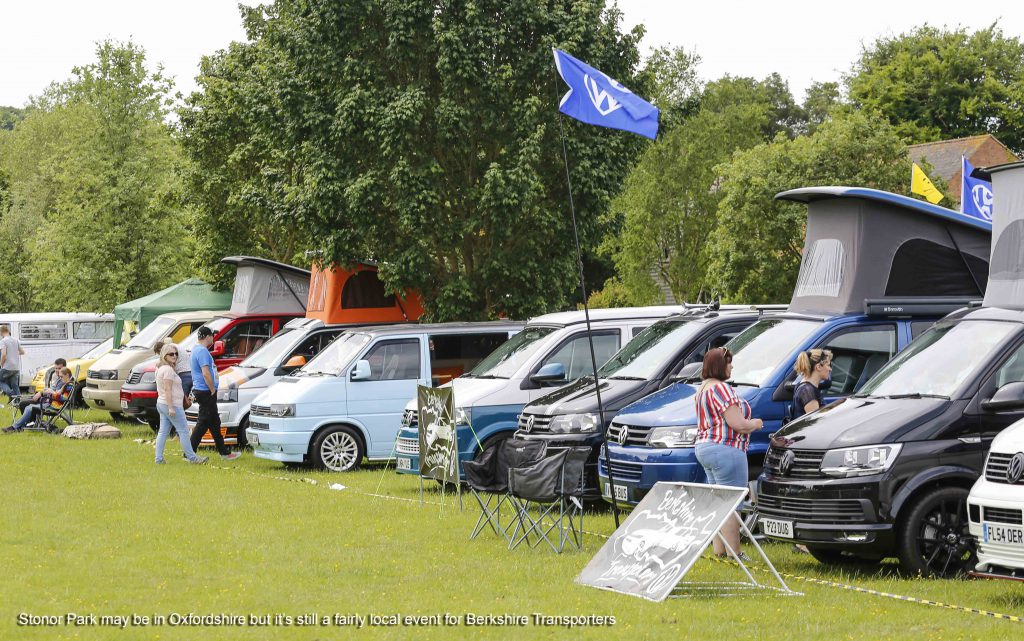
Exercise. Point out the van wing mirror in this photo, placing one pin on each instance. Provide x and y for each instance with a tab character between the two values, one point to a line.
549	373
361	371
784	392
217	349
1007	397
689	371
295	362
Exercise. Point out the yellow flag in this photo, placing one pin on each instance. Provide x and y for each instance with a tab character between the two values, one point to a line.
919	184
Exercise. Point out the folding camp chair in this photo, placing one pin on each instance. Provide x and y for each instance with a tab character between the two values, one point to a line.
47	421
487	477
553	487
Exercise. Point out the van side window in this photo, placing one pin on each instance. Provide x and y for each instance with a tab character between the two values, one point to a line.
92	330
181	332
574	354
1012	371
452	355
245	338
395	360
718	340
57	331
918	327
857	354
310	347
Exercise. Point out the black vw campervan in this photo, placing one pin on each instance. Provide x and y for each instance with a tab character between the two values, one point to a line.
886	473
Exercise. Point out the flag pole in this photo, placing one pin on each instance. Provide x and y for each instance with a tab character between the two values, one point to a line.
590	334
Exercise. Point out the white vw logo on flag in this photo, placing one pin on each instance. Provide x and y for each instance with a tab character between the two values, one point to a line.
603	101
982	197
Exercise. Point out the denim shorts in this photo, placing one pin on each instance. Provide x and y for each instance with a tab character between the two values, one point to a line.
723	464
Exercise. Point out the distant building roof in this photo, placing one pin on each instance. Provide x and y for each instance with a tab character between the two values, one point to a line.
944	156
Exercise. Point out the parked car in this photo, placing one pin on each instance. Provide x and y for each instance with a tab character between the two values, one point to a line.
51	335
996	504
104	379
861	244
235	338
346	403
551	351
655	359
44	375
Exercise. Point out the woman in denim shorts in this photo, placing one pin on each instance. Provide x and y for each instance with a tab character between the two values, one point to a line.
723	433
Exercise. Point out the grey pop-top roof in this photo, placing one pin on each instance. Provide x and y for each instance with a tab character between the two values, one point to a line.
865	243
1006	277
264	286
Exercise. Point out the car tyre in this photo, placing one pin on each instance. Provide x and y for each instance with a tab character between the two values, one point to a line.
116	416
338	449
240	438
934	539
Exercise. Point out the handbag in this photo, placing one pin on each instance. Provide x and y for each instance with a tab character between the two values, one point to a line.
186	402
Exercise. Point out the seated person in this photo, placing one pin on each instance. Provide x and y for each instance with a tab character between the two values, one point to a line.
53	384
48	398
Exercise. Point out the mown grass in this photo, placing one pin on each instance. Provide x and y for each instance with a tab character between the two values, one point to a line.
96	527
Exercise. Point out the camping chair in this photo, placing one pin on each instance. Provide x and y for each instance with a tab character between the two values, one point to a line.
554	487
487	477
47	421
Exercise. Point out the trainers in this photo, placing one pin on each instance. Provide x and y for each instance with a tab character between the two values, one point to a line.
230	457
11	430
199	460
161	462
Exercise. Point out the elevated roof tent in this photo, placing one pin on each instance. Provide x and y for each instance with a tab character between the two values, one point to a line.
341	296
1006	278
267	287
866	244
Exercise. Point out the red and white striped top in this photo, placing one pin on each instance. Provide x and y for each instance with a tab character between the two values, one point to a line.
712	401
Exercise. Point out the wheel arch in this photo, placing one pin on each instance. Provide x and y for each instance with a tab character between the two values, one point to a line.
360	433
927	480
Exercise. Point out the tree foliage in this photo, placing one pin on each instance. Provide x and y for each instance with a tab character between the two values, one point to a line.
94	188
754	252
933	84
426	136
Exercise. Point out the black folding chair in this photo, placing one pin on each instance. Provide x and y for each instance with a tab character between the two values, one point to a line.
487	477
553	487
47	422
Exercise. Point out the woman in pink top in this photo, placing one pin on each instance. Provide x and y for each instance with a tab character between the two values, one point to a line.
723	432
170	403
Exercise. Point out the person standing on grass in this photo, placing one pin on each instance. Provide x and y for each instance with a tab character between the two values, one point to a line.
10	364
170	402
204	389
723	432
49	398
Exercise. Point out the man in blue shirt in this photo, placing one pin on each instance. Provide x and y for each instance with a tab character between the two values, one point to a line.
204	389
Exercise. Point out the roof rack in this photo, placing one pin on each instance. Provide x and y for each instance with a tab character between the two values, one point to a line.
919	306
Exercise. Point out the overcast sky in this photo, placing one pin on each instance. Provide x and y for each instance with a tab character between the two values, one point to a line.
803	40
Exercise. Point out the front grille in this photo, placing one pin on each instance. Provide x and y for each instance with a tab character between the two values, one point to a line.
408	446
622	471
634	435
260	410
1002	515
806	465
411	418
995	469
92	385
813	510
134	377
541	423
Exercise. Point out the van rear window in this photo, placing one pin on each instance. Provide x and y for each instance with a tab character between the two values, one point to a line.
44	331
451	355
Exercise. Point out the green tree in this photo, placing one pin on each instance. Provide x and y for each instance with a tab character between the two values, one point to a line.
669	203
94	173
933	84
426	137
675	87
754	252
10	116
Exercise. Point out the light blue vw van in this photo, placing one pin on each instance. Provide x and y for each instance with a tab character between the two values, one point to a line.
346	403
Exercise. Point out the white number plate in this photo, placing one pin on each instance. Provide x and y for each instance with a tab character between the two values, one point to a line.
1003	534
404	463
124	404
255	440
777	527
621	493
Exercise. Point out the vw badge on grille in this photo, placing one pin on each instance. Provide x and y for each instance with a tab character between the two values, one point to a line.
623	434
529	423
786	462
1015	469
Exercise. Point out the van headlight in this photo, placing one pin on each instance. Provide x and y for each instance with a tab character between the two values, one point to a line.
574	423
860	461
461	416
281	410
148	377
672	436
228	395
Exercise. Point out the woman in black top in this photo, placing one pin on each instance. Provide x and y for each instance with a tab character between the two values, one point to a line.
815	366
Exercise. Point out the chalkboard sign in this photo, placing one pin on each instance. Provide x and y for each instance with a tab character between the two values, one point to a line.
662	539
439	451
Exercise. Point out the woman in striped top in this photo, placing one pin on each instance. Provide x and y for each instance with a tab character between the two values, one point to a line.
723	432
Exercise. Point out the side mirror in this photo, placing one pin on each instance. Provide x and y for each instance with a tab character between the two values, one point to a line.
217	349
361	371
689	371
784	392
549	373
295	362
1007	397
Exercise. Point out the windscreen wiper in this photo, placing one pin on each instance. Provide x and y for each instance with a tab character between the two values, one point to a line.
917	395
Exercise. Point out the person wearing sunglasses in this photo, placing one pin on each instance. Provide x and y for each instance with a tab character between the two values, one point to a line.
170	403
815	365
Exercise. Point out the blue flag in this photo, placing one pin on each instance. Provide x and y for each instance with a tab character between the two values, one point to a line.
975	194
596	99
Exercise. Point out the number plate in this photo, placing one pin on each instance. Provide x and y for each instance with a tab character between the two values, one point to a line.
777	527
254	439
124	404
258	426
1003	534
404	463
621	493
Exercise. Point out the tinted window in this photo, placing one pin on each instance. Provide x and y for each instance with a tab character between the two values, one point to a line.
574	354
44	331
718	340
922	267
513	353
394	360
451	355
919	327
365	290
857	354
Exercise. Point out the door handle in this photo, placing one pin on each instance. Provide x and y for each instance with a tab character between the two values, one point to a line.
971	440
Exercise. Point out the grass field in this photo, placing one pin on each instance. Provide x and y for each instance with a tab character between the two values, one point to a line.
94	527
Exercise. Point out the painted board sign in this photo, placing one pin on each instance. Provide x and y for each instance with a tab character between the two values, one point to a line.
439	455
662	538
